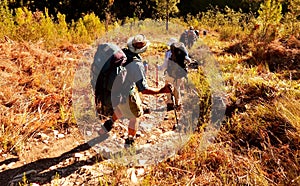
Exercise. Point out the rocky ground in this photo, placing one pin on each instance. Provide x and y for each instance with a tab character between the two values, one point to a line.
78	156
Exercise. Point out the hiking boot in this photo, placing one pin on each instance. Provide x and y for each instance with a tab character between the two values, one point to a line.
129	142
147	110
106	127
170	106
178	107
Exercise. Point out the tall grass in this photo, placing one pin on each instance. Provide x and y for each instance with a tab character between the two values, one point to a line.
258	143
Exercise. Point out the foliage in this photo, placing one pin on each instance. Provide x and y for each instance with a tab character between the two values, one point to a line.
164	6
6	19
38	26
230	24
291	19
259	141
269	19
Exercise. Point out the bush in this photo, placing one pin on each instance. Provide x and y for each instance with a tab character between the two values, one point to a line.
291	19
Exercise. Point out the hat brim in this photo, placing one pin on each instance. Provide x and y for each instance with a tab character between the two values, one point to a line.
171	41
134	50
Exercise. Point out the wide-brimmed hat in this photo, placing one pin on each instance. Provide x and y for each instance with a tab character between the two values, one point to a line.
171	41
138	44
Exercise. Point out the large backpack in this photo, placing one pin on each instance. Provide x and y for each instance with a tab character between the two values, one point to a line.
176	65
108	74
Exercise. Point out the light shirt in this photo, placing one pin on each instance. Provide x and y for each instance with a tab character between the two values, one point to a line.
166	59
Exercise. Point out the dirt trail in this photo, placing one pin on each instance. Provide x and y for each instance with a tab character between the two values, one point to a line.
69	157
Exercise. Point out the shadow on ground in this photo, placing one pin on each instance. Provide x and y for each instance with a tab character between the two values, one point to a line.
39	172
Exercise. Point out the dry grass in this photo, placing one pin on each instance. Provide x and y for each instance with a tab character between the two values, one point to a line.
35	90
258	143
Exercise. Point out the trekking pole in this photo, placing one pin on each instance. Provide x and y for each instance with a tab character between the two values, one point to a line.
156	81
175	108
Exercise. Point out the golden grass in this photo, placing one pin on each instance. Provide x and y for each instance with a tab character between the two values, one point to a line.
258	143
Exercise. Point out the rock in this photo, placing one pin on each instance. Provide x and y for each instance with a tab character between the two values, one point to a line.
55	132
59	136
140	172
139	134
11	165
166	134
131	174
78	156
41	136
89	133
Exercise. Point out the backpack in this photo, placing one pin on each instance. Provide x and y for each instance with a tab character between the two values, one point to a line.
130	56
176	65
108	74
184	38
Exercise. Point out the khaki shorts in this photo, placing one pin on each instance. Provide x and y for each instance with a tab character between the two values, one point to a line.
132	108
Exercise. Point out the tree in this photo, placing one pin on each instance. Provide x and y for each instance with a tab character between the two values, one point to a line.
165	8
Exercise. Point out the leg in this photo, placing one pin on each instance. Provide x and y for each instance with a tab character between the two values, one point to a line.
169	80
177	89
133	126
108	124
170	104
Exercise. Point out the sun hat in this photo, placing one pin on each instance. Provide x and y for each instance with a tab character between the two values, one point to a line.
138	43
171	41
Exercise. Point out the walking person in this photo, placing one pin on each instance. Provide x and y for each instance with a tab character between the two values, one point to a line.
135	83
189	37
176	78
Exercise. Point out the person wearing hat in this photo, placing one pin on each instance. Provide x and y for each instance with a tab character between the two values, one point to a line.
177	83
135	82
189	37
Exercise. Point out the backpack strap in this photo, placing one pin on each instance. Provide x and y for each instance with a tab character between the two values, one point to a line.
130	56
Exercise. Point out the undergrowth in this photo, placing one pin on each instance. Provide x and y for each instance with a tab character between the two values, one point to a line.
258	142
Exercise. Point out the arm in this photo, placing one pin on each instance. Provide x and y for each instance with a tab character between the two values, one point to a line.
152	91
165	64
142	85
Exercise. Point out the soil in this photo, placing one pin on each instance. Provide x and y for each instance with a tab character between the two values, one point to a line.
77	156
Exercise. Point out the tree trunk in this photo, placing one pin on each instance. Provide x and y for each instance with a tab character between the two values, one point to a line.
107	19
167	16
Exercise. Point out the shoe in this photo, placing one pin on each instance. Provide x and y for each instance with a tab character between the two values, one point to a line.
129	142
170	106
178	107
146	110
106	127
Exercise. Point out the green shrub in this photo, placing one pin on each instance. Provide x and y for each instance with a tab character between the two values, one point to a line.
291	19
229	23
269	19
6	20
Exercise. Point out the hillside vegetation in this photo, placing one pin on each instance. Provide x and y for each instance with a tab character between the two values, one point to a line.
258	57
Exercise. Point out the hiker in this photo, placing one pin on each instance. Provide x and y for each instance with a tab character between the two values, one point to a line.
189	37
176	79
135	82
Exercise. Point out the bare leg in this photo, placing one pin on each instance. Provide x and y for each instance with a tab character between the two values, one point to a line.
133	126
108	124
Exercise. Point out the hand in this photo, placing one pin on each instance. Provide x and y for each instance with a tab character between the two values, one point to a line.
157	66
168	88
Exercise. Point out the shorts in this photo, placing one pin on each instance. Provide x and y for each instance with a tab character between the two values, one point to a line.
132	108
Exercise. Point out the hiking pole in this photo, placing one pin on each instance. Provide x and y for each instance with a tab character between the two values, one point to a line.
175	109
156	83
